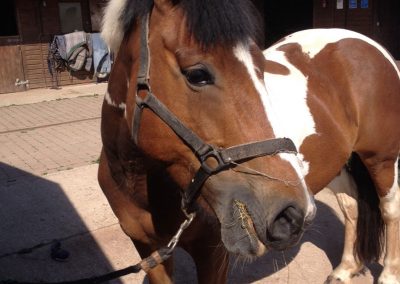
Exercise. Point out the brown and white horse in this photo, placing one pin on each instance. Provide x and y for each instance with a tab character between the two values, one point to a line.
334	93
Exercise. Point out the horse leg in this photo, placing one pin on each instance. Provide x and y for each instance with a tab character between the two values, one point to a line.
384	173
390	208
346	194
129	216
162	273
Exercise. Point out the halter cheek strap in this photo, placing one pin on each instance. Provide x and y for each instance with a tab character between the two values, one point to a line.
143	76
212	159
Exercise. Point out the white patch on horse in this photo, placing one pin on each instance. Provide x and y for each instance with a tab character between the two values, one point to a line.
345	190
314	40
112	30
395	185
287	96
110	101
242	52
390	203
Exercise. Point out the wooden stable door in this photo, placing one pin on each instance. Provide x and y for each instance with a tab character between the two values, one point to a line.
378	19
11	69
387	25
11	62
360	16
356	15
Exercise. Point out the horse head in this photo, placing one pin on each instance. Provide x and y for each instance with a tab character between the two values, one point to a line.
205	67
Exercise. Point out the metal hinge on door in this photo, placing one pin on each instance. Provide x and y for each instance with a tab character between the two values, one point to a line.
18	82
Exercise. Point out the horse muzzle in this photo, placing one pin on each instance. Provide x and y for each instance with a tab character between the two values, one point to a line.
258	213
249	231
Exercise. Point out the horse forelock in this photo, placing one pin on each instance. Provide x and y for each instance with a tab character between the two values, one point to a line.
119	17
222	22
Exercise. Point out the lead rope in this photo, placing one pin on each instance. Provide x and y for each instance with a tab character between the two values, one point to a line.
156	258
162	254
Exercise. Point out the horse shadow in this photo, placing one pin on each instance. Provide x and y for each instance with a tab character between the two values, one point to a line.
326	233
43	238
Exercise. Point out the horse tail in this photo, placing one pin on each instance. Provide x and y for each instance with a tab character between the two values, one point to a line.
370	225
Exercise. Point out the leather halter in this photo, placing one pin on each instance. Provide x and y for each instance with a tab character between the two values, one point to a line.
225	157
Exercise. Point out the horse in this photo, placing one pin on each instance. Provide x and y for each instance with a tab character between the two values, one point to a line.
199	121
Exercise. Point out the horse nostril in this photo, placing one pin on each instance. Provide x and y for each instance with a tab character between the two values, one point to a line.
287	224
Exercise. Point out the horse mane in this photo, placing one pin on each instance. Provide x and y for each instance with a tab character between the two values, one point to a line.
211	22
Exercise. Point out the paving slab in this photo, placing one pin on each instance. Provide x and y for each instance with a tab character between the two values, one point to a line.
50	136
30	116
41	95
48	149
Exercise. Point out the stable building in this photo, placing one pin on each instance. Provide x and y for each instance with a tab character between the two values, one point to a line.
377	19
28	26
26	29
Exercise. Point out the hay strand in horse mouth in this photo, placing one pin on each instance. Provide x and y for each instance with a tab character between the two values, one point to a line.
243	215
245	219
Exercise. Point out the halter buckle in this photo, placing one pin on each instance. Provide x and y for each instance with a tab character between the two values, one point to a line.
212	161
142	84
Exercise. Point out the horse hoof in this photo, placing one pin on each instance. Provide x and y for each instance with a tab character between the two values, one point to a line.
388	279
363	271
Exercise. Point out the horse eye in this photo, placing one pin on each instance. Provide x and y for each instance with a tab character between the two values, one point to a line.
198	77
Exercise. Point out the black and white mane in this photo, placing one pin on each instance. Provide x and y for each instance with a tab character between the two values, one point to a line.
211	22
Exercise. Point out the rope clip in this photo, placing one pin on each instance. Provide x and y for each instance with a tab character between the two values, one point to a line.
175	239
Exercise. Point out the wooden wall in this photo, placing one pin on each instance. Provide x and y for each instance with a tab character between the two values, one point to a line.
11	68
361	20
326	15
386	25
35	64
96	8
380	21
285	17
323	14
38	22
37	72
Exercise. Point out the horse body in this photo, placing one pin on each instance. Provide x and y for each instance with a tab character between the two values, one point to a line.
212	79
330	95
336	92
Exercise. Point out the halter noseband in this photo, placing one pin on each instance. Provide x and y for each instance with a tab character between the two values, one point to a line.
224	157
